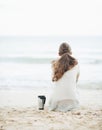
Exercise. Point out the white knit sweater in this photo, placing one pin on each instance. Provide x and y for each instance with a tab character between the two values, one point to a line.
64	95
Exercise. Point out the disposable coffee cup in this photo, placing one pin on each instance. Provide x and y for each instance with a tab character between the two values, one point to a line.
41	102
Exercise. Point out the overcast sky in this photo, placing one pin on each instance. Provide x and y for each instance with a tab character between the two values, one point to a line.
51	17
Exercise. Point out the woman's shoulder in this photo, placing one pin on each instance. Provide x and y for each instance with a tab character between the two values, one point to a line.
74	68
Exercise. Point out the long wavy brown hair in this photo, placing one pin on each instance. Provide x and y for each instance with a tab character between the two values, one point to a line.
63	64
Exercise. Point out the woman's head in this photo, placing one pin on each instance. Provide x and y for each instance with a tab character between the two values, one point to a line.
65	63
64	48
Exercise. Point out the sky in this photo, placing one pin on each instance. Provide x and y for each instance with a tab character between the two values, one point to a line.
51	17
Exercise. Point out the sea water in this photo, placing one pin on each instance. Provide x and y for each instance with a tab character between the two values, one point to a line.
25	62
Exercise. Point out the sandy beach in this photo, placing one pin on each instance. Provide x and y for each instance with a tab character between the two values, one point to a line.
18	111
32	119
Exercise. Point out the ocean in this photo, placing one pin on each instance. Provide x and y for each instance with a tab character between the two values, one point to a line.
25	61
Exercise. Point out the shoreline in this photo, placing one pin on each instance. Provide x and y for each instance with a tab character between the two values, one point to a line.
89	85
29	98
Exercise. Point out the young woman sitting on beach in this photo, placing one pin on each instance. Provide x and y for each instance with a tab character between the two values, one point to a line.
65	76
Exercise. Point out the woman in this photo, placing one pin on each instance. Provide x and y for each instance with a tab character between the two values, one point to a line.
65	77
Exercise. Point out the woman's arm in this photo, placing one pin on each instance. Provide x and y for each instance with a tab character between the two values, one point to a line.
77	77
78	74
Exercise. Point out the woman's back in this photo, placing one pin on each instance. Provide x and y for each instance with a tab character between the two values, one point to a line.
64	96
65	88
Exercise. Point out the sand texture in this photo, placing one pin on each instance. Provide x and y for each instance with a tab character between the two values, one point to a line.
33	119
